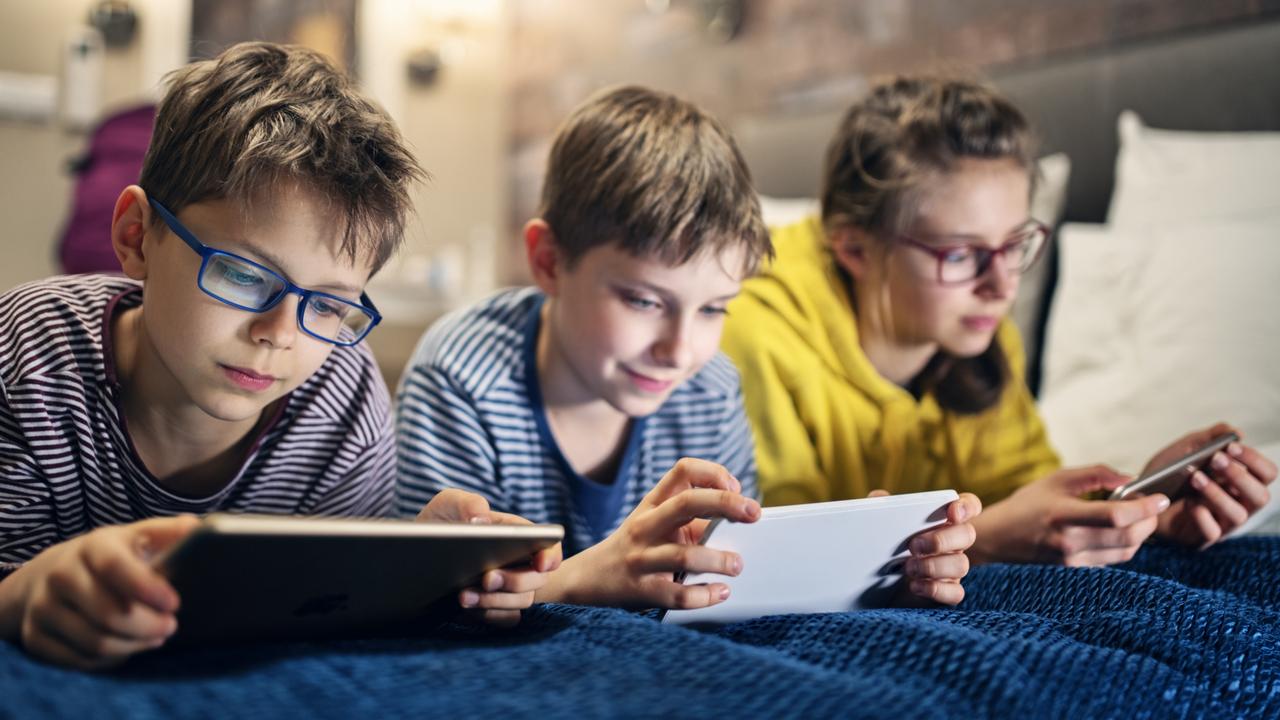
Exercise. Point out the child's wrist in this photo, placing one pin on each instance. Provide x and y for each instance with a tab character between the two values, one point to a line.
566	583
986	538
556	589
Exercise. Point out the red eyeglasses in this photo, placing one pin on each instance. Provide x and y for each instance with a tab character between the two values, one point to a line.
959	264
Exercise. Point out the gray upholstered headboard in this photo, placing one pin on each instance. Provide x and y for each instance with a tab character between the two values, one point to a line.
1220	79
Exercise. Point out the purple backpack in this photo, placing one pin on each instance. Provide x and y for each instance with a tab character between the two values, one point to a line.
112	162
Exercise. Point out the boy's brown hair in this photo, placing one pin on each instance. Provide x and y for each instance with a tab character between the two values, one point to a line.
654	174
261	114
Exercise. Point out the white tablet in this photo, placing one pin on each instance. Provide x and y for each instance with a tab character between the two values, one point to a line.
253	576
820	557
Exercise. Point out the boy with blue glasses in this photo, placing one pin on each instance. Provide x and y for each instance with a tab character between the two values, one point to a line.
226	372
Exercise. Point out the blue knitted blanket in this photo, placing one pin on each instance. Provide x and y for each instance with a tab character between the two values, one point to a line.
1173	634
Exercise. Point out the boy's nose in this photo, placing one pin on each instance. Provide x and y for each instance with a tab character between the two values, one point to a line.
673	349
277	327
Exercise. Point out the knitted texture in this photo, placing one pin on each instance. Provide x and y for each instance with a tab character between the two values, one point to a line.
1173	634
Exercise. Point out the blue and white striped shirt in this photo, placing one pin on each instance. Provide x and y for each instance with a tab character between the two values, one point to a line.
470	416
68	465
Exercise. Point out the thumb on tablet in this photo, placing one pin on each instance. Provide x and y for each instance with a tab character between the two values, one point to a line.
455	506
122	559
157	534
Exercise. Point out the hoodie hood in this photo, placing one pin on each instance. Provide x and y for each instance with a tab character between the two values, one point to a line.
804	287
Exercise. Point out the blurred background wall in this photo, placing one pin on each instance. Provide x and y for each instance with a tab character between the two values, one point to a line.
479	86
757	59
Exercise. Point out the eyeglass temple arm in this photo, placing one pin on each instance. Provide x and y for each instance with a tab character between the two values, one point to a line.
177	227
368	302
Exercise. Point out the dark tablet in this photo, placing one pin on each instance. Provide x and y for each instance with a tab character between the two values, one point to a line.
252	576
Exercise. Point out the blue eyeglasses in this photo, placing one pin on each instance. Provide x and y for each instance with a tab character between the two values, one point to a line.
246	285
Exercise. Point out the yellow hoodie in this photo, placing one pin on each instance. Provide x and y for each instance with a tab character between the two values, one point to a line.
828	426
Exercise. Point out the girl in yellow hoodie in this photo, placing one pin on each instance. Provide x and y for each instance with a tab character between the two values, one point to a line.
875	351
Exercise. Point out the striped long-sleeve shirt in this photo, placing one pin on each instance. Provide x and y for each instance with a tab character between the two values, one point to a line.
67	464
470	415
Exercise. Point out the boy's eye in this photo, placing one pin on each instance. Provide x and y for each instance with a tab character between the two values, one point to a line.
714	310
327	308
638	302
240	276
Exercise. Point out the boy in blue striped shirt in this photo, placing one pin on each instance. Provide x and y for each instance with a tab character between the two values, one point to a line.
225	373
598	399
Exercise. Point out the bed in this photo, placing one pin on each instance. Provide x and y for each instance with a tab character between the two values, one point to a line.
1171	634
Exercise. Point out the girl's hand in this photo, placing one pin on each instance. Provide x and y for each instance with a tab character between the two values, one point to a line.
1221	500
1048	521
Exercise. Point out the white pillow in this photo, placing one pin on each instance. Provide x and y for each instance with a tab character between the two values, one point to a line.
1047	204
1167	176
1085	332
1050	197
1161	330
779	212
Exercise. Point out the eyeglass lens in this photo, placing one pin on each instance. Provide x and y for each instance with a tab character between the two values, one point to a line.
240	283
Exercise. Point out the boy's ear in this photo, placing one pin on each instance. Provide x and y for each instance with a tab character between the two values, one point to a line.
129	224
543	253
851	247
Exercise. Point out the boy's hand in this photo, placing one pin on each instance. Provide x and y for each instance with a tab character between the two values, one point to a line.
1049	522
938	561
93	601
1222	500
502	593
637	564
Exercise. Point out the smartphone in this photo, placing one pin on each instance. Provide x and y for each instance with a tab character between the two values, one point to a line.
1174	480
